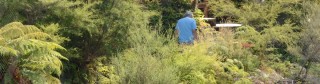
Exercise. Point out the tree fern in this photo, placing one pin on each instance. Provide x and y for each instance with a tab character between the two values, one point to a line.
34	52
5	51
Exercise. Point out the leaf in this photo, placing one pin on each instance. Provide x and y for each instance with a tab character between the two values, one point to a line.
7	51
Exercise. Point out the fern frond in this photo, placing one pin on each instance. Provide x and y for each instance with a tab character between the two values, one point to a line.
54	66
35	35
48	61
30	29
7	51
44	53
17	29
57	54
2	40
12	25
36	51
11	33
33	63
26	46
50	29
40	77
60	3
48	45
52	80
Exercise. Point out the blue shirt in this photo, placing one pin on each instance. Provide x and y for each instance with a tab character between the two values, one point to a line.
185	27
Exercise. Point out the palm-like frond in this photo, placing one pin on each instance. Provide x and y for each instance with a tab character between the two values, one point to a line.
40	78
35	50
11	33
30	29
36	35
7	51
44	53
16	29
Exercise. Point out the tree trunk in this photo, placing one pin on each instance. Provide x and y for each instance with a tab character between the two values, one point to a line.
195	5
307	66
14	71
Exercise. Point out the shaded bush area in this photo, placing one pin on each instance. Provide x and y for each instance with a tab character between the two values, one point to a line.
131	42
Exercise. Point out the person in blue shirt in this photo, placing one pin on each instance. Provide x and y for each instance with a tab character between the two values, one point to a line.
186	29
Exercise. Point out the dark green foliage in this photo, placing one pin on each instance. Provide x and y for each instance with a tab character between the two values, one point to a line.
130	41
307	47
258	15
148	60
170	11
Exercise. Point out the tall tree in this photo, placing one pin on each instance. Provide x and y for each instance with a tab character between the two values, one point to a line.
308	47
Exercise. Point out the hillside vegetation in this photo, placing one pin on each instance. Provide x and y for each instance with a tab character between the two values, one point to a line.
132	42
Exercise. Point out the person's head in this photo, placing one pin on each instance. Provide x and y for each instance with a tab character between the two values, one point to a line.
188	14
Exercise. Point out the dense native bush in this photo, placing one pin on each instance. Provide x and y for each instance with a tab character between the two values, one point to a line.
272	29
259	15
169	11
199	64
151	61
307	48
93	29
100	72
148	61
266	48
129	41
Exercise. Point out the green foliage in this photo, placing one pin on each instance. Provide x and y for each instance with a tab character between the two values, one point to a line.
93	29
272	28
243	81
101	73
267	46
198	15
122	25
144	69
283	68
148	60
169	11
200	64
248	34
224	8
129	41
120	29
195	66
32	51
258	15
307	47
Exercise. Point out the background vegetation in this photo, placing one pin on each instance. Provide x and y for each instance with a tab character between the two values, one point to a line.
131	41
